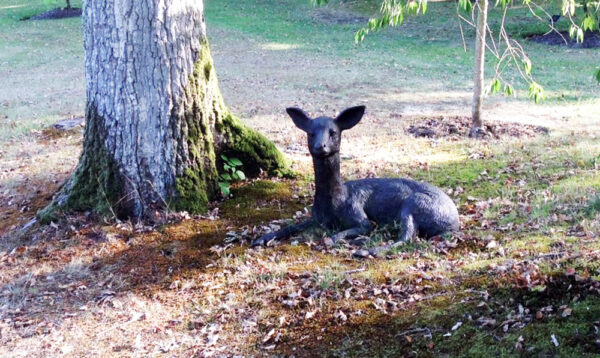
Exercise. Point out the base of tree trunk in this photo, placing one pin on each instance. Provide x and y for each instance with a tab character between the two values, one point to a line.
478	133
196	188
119	176
96	187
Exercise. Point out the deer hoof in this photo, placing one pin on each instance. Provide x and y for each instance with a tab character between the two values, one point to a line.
361	254
379	251
263	240
329	242
359	241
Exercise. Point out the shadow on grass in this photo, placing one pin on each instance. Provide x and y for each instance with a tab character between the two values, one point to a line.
118	258
498	320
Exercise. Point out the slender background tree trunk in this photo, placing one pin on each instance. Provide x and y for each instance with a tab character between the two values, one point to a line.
155	118
478	90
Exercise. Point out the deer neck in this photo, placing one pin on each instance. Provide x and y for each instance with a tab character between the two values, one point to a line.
329	189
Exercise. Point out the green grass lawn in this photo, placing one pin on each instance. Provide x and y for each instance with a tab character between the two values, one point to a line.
41	66
428	47
42	61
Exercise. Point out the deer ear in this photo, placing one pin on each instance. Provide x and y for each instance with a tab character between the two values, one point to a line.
350	117
300	118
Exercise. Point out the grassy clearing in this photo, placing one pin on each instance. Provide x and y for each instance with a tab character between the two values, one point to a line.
41	68
524	267
435	36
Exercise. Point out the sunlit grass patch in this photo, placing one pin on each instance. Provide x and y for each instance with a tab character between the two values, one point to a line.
579	184
533	244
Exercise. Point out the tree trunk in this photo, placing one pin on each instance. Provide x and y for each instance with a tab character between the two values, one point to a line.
68	4
478	91
155	119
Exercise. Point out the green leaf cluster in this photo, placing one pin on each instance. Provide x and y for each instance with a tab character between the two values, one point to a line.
496	87
536	91
231	173
392	14
465	5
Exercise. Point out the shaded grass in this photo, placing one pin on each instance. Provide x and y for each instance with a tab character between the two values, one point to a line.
434	290
42	68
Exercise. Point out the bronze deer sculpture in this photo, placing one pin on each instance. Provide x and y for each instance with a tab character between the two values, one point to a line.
351	207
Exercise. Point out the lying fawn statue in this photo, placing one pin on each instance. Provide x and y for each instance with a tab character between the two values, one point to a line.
419	208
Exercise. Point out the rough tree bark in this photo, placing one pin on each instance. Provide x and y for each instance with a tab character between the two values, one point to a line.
155	119
478	90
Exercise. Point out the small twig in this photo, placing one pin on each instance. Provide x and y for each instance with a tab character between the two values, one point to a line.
414	331
349	272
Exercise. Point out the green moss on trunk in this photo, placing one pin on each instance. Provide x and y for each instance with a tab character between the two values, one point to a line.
192	118
193	196
96	185
254	150
211	130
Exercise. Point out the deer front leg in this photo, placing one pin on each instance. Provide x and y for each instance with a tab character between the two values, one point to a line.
357	220
283	233
406	234
351	233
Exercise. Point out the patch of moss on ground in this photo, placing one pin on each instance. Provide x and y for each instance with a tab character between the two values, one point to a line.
260	202
593	207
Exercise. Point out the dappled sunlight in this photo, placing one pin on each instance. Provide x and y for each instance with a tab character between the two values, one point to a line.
563	117
32	170
534	244
585	185
275	46
12	7
417	97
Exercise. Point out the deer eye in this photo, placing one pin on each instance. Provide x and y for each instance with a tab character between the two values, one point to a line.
311	135
331	133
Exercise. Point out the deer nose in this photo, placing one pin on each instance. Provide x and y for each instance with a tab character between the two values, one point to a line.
319	147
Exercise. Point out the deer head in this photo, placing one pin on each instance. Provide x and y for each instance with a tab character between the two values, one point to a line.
325	133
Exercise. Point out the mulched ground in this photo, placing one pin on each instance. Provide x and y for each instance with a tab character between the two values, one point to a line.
57	14
440	127
590	39
340	18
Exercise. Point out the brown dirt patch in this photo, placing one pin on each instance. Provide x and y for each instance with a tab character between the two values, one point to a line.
458	127
590	39
339	18
56	14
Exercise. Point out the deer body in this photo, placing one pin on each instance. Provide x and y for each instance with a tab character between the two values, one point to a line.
419	208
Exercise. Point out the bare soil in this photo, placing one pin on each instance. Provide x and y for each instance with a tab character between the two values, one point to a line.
57	14
590	39
338	17
458	127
